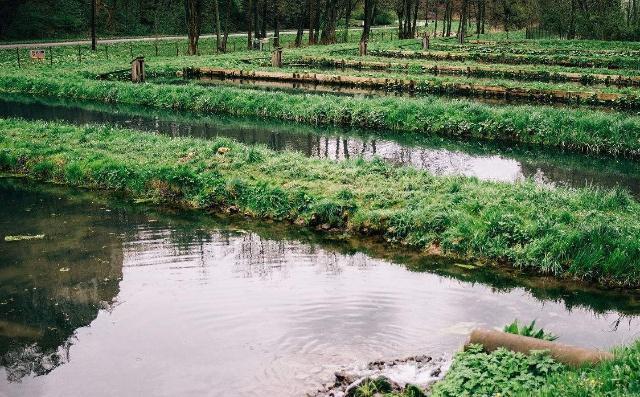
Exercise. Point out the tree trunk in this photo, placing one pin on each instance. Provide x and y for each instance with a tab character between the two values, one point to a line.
263	30
435	27
329	28
572	21
368	17
312	20
193	10
347	19
463	21
484	13
93	25
249	12
256	20
216	16
300	32
316	32
227	15
416	8
276	24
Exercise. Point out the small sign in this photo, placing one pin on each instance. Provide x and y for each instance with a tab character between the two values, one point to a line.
37	54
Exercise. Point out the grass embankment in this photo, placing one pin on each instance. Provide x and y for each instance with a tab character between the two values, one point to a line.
584	234
584	77
506	57
574	129
420	83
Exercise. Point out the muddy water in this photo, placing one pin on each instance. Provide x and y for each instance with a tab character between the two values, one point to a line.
125	300
438	156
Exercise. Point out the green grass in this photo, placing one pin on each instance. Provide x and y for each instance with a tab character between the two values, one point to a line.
574	129
586	234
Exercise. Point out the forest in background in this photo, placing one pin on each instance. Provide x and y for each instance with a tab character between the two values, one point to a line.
46	19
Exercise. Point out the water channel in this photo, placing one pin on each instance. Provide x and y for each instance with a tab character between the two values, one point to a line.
504	163
123	299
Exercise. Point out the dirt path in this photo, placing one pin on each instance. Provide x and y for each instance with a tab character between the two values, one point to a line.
127	40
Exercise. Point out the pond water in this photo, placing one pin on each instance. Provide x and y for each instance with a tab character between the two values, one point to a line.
120	300
438	156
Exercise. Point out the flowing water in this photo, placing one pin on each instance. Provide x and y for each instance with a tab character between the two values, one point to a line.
438	156
123	300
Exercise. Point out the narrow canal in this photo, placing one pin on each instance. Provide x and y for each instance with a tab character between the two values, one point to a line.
438	156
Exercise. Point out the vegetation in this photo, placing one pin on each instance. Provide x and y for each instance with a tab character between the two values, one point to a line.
580	130
602	19
584	233
529	330
501	372
619	377
505	373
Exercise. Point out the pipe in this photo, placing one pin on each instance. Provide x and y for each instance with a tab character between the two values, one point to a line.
570	355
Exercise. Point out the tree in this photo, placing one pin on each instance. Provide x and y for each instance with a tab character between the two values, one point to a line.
249	19
464	11
407	11
193	11
217	29
369	6
93	25
329	26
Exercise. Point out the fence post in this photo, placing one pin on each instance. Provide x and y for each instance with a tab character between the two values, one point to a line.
131	50
18	56
156	43
106	51
51	59
79	54
177	50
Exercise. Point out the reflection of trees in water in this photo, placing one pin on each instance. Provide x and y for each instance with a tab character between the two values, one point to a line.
50	288
255	256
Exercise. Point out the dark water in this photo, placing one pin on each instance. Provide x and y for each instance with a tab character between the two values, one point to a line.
123	300
439	156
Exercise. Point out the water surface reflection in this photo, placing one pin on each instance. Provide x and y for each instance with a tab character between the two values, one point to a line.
124	300
438	156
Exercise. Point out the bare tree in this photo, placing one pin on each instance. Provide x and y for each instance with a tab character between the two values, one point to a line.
369	6
250	16
93	25
193	11
216	27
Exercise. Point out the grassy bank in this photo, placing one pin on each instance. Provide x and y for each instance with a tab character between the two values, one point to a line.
583	234
574	129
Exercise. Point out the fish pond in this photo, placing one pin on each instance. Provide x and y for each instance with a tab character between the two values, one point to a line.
100	296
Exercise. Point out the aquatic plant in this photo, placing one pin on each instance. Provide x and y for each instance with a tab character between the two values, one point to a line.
529	330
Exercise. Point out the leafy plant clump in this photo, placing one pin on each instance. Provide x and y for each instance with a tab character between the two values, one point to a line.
502	372
529	330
